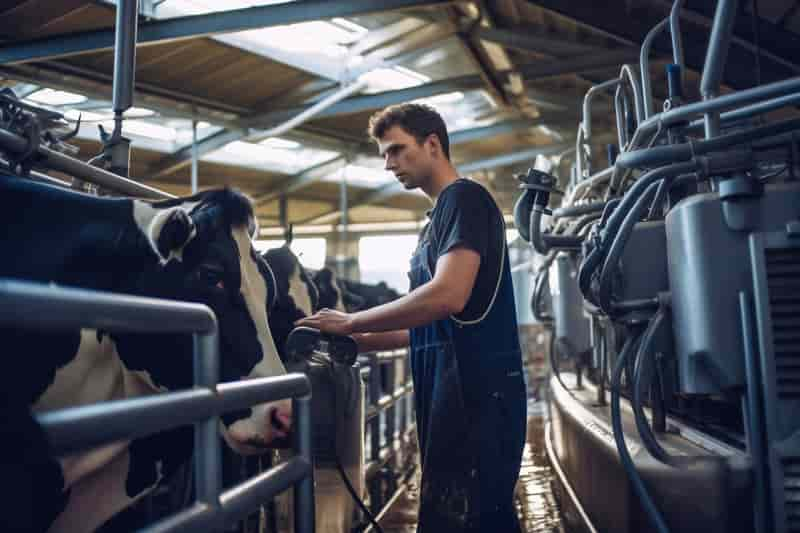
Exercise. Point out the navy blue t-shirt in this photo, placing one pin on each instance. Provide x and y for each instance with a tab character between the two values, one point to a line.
466	215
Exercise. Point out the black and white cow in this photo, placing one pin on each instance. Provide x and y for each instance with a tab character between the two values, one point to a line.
296	294
334	294
193	249
371	295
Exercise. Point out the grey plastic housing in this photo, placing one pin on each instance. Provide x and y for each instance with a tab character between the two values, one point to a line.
567	302
709	263
642	270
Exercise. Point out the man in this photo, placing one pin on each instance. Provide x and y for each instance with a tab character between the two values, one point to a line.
460	324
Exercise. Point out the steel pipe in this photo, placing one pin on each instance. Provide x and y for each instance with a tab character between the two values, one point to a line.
718	45
83	171
644	67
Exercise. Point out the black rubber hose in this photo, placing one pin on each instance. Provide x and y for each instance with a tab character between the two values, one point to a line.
638	188
661	155
619	439
538	285
554	344
578	210
588	266
644	374
621	237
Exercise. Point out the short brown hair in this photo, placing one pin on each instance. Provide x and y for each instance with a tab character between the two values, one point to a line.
418	120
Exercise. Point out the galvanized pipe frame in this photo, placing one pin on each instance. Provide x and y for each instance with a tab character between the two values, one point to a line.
72	429
74	167
395	438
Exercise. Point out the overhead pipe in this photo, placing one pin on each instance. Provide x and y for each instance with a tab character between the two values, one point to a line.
116	148
79	169
315	109
644	67
716	56
585	129
675	35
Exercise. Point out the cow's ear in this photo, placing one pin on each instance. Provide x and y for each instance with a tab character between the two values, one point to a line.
174	233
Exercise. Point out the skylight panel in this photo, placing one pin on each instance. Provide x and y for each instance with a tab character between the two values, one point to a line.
55	98
268	157
360	175
283	144
386	79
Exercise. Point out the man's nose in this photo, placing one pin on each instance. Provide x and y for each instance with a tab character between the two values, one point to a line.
389	163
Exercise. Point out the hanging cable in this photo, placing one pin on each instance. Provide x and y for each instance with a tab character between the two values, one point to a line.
644	372
619	439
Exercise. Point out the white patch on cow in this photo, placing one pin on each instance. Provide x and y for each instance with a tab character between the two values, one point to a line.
298	290
97	497
151	220
257	428
96	477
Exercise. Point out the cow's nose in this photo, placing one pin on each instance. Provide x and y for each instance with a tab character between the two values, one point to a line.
280	420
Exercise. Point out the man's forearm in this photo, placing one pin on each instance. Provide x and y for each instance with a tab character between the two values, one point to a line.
421	306
385	340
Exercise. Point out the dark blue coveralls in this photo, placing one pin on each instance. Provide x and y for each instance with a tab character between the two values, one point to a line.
471	412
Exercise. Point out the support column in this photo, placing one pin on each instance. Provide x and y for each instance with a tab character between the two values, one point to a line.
194	156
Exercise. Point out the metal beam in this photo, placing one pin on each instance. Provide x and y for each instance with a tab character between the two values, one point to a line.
357	104
578	65
314	173
298	181
194	26
527	42
392	189
182	156
776	59
512	158
367	102
379	38
501	128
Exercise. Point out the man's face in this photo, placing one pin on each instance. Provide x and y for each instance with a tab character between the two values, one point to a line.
411	162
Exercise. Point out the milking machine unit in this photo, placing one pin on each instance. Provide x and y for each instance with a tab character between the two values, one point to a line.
674	273
337	402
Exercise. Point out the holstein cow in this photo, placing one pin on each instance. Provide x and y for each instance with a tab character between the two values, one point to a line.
196	249
333	293
298	296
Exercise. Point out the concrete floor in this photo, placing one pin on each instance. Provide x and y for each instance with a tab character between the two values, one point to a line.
535	503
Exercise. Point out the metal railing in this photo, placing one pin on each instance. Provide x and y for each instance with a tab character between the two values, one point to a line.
389	420
29	304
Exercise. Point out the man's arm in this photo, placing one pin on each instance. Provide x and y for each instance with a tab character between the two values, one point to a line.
384	340
446	294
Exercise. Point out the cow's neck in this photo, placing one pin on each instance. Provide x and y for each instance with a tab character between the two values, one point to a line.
67	237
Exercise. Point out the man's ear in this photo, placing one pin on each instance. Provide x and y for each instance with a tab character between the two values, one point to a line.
434	144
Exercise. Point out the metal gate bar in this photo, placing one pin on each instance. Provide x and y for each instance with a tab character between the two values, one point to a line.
29	304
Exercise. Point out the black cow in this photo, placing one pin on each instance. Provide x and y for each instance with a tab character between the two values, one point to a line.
370	295
296	294
196	249
333	294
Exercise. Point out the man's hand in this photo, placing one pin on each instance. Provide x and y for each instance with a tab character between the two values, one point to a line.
329	321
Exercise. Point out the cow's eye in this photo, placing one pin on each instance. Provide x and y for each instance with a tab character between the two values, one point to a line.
211	275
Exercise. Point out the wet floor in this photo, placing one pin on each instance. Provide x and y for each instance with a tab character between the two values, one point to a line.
536	506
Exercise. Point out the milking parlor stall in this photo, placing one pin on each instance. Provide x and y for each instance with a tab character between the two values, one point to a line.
434	266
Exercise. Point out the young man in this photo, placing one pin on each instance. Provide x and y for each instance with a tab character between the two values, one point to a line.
460	325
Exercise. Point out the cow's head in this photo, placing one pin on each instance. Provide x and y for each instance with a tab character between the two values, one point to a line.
334	294
297	295
205	255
